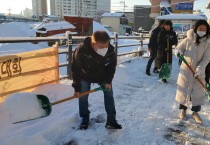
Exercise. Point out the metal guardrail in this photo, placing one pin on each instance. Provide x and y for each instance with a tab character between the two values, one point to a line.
69	41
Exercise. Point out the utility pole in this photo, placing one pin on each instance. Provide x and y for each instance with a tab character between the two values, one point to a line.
9	12
61	9
37	9
80	10
124	6
123	2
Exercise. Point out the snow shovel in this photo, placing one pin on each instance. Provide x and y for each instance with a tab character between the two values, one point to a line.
207	87
23	107
165	71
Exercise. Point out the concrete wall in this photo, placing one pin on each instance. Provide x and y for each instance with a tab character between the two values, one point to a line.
142	18
114	22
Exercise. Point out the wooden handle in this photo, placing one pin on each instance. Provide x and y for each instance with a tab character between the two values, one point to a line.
168	50
199	80
167	57
72	97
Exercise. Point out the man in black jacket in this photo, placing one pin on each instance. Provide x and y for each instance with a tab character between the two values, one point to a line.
94	61
153	46
207	72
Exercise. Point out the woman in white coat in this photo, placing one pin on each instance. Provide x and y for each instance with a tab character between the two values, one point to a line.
196	50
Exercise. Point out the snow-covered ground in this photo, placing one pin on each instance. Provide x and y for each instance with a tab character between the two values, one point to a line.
145	107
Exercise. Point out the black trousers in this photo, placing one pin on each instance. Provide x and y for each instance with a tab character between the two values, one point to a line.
194	108
153	55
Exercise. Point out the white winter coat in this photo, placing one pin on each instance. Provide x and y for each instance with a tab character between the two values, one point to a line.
196	56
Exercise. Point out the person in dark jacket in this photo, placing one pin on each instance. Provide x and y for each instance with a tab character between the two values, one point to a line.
94	61
152	47
166	39
207	72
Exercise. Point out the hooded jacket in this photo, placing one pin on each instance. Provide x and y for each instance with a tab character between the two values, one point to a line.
198	56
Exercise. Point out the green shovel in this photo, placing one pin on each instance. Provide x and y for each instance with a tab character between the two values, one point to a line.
43	107
165	71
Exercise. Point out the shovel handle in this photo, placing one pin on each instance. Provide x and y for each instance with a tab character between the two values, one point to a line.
167	57
167	50
73	97
193	72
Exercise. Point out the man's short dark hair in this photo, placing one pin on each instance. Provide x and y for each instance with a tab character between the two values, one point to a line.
100	36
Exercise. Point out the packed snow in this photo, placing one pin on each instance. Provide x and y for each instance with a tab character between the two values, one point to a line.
23	107
17	29
146	108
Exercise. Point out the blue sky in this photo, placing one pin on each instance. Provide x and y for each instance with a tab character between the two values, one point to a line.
17	5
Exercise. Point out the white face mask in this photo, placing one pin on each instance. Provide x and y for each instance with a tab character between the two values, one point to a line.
102	52
201	33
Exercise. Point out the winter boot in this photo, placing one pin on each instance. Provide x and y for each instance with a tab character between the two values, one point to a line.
164	81
183	114
148	73
196	117
156	71
84	124
113	125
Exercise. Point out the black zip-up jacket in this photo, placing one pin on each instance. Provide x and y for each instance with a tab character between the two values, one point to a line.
92	67
207	73
153	44
165	38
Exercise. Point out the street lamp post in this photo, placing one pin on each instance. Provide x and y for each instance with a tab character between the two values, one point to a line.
123	2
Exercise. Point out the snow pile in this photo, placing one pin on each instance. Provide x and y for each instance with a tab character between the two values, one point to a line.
55	25
23	107
146	54
16	29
